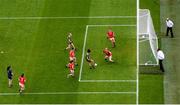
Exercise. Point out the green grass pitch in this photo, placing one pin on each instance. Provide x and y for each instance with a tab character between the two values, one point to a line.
124	67
35	46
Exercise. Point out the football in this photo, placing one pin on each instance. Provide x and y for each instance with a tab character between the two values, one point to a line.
95	64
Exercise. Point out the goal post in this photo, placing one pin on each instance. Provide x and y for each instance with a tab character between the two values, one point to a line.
148	41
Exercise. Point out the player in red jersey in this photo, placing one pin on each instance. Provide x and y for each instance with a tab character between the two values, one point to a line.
108	55
71	69
111	37
72	56
22	81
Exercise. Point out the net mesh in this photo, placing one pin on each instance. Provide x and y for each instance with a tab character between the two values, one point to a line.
148	41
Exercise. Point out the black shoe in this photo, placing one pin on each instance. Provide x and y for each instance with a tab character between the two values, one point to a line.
162	69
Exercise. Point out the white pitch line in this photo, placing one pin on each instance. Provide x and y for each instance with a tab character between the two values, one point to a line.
65	17
120	25
65	93
137	56
148	64
107	81
83	51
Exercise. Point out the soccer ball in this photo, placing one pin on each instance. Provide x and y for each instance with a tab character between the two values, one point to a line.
143	36
95	64
146	64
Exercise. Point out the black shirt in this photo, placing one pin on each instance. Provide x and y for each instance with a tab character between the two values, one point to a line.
88	58
9	73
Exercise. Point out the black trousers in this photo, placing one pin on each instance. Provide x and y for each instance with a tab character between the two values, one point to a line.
167	31
161	65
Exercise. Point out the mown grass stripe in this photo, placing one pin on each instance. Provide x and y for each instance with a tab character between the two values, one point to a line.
65	93
73	17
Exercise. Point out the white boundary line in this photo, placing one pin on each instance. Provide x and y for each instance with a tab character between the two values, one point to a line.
65	93
65	17
148	64
107	81
83	51
137	71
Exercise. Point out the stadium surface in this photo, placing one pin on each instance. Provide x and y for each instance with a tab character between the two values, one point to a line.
33	39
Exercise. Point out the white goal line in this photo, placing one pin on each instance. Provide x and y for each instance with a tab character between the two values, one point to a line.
65	17
141	64
108	81
83	51
65	93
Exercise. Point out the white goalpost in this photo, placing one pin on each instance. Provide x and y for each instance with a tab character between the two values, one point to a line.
148	41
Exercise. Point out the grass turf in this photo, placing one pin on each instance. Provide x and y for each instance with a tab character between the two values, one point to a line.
36	48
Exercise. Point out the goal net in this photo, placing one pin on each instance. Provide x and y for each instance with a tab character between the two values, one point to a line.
148	41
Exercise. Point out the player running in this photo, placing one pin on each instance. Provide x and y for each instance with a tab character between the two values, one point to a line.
72	56
71	69
90	61
22	81
111	36
70	42
108	55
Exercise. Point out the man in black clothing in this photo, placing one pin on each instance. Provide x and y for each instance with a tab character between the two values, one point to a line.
10	75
